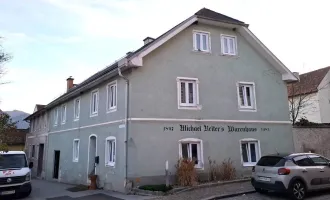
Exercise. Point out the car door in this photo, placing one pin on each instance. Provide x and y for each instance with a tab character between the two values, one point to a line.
307	171
322	165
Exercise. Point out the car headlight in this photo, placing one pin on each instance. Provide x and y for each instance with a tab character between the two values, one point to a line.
28	177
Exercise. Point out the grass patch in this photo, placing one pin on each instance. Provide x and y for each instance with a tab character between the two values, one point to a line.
161	188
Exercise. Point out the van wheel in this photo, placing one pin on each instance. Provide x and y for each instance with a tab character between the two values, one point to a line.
297	190
261	191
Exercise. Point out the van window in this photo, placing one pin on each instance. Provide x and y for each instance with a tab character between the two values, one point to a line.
271	161
8	161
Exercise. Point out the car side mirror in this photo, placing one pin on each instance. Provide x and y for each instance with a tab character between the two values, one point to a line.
31	165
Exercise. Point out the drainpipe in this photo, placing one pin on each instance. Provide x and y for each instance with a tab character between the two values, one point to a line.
126	122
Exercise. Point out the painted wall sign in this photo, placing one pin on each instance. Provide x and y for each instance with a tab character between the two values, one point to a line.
211	128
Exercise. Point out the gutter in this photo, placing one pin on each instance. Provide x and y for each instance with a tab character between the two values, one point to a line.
126	123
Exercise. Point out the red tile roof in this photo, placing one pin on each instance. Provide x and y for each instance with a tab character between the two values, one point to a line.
308	82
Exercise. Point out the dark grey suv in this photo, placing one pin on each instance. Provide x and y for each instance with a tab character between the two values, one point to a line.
294	174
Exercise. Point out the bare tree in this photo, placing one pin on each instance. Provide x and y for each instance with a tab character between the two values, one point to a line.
301	99
4	57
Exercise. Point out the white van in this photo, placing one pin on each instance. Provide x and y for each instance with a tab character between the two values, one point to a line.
15	174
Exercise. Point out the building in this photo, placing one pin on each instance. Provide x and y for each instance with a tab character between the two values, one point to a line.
311	95
205	88
36	140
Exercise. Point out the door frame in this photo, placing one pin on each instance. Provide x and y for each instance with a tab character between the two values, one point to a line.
40	159
58	168
89	145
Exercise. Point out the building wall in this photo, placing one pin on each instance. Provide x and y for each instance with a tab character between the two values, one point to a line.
324	98
150	145
110	178
312	139
154	86
310	108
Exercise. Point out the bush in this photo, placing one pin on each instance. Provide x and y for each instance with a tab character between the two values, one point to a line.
224	172
161	188
186	173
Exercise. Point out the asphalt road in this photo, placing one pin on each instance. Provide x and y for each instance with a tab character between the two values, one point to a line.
274	196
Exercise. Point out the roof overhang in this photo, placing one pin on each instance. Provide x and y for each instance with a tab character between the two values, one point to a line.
287	75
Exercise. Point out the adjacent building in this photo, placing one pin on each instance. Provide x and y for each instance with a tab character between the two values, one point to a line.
206	88
310	97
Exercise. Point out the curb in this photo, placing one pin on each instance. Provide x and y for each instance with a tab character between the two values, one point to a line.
212	185
229	195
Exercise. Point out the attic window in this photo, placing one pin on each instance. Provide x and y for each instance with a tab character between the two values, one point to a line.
201	41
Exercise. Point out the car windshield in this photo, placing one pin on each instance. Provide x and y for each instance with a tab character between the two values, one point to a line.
271	161
8	161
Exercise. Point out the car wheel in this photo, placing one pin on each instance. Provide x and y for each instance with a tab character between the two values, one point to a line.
297	190
261	191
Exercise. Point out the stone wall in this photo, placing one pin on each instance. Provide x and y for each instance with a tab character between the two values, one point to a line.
314	139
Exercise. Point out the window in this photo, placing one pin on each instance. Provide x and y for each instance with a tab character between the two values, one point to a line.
76	109
63	114
246	96
94	102
55	116
33	151
188	92
303	161
201	41
192	148
75	150
112	96
318	160
228	45
110	151
250	151
271	161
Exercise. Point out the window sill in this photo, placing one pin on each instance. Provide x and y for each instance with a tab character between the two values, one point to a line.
249	164
110	165
112	110
228	55
63	123
199	107
76	119
93	115
203	52
74	160
247	110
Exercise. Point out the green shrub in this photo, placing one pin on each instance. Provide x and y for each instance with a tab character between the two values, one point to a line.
161	187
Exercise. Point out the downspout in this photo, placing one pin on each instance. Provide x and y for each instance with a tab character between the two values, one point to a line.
126	123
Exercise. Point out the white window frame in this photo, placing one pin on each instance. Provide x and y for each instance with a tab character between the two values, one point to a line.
200	152
30	151
253	107
75	116
75	153
63	113
110	163
208	43
56	116
222	42
192	106
93	114
108	106
258	151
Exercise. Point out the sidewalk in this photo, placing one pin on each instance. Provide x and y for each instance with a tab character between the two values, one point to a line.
204	193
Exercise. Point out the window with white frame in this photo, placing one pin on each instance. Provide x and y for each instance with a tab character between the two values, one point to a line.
228	45
63	113
192	149
76	112
110	151
187	92
30	151
246	96
201	41
250	151
75	150
55	116
112	96
94	102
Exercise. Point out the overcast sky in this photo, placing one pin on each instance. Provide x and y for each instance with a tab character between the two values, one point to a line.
51	40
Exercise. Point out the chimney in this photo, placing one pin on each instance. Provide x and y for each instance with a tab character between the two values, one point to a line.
147	40
69	83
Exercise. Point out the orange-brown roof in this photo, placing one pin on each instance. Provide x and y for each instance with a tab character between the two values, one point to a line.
308	82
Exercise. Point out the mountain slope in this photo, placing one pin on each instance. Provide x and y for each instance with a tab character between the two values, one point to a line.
19	116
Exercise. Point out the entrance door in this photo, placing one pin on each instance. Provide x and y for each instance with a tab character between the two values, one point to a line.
56	164
40	159
91	155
